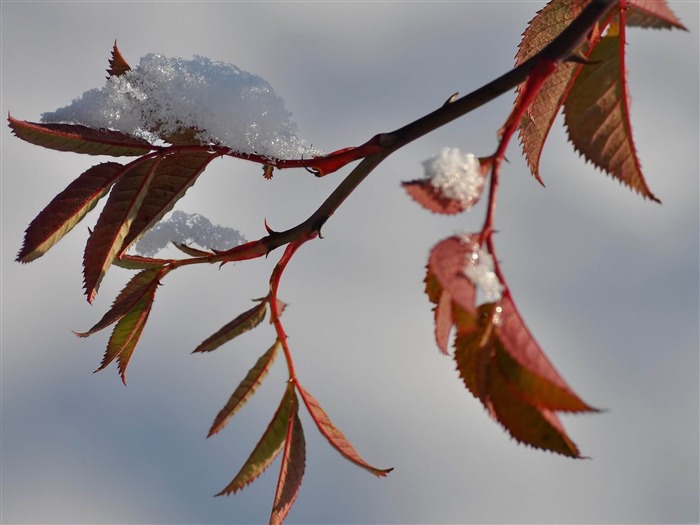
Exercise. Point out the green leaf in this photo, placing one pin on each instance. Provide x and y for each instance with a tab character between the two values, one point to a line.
80	139
67	209
267	448
245	389
241	324
114	222
292	468
596	115
334	436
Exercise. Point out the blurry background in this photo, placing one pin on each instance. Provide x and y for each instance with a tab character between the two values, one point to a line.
606	281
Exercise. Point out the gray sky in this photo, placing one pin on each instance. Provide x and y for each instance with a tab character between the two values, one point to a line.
607	282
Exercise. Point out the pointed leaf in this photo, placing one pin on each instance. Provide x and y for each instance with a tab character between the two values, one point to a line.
655	14
522	361
137	262
241	324
428	196
245	389
80	139
117	64
67	209
176	173
539	428
292	468
447	261
597	116
334	436
535	125
141	285
126	335
192	252
515	394
115	220
267	448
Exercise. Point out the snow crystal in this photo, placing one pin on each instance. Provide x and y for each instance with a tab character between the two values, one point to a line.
479	269
226	105
455	175
187	228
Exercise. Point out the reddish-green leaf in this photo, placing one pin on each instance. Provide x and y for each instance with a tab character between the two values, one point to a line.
115	220
655	14
192	252
539	428
117	64
141	285
176	173
245	389
292	468
502	366
334	436
67	209
524	364
267	448
535	125
597	116
80	139
241	324
126	335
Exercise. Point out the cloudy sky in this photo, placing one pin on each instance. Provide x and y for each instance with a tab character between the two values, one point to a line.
607	282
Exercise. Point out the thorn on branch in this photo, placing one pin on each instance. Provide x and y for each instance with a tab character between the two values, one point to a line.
579	58
452	98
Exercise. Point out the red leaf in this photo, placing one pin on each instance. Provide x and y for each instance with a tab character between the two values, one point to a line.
241	324
425	194
115	220
502	366
80	139
117	64
446	263
67	209
655	14
535	125
292	468
334	436
596	115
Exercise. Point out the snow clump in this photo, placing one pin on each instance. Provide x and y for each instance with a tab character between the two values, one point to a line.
479	269
456	175
225	105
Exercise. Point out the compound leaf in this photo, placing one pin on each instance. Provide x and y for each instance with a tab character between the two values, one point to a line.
245	389
334	436
241	324
80	139
267	448
67	209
